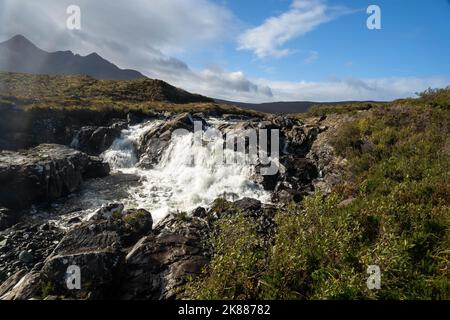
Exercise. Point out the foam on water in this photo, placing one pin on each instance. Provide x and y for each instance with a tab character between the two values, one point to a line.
189	175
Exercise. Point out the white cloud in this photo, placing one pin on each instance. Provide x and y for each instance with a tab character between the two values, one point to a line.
218	83
381	89
302	17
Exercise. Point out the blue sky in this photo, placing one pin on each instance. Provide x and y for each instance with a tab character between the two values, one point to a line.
255	50
414	41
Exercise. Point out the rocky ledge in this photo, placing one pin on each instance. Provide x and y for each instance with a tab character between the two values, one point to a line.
121	255
42	174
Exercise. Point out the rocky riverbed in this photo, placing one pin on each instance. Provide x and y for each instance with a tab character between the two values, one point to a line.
121	202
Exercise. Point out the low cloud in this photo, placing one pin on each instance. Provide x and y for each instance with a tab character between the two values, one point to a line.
382	89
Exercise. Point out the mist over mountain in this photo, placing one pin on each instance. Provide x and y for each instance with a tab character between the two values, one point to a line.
19	54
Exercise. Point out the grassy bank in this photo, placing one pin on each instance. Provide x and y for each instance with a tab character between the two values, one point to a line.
396	215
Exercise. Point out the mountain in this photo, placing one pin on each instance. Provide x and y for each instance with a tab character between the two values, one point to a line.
18	54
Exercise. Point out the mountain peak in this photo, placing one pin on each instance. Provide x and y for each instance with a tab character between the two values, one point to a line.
18	41
19	54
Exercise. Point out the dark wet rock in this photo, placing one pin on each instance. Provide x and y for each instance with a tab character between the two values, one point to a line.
26	257
269	182
199	212
8	218
287	196
109	212
156	140
95	140
247	204
23	247
27	287
42	174
92	246
152	152
159	264
135	117
297	171
138	222
300	139
96	168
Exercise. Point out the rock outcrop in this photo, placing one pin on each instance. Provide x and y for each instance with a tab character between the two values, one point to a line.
95	140
44	173
159	264
94	247
112	263
155	141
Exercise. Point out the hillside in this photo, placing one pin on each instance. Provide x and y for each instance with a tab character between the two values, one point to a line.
42	88
18	54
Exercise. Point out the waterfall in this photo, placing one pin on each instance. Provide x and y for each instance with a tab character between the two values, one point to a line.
188	175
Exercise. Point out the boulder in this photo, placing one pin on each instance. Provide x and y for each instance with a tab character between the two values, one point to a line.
96	140
159	264
138	223
247	205
155	141
199	212
300	138
108	212
94	247
44	173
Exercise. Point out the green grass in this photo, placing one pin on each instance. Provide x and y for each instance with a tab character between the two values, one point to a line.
398	176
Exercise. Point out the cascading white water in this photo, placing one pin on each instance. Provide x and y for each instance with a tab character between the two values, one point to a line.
188	175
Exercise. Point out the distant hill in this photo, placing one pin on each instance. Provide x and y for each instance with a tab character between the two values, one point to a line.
18	54
286	107
274	107
79	89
